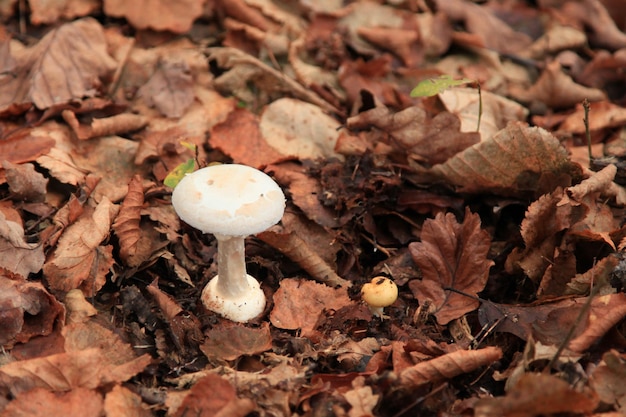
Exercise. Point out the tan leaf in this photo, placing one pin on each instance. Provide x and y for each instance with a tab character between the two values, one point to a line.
607	379
47	74
41	402
538	394
451	256
170	89
298	304
517	161
299	129
113	125
15	254
430	140
156	14
214	396
26	310
121	401
361	398
228	341
606	312
24	182
25	147
448	366
78	308
79	260
47	12
126	225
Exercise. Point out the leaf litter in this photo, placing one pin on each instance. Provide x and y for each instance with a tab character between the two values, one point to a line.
503	233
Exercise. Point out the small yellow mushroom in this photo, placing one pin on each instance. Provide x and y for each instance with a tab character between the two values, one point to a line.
380	292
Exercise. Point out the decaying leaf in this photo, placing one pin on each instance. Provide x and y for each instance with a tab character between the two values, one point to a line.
170	89
126	225
232	340
156	14
452	256
25	183
517	161
16	254
39	401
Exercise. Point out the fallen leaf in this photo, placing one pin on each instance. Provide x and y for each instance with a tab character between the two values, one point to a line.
46	12
24	182
517	161
451	256
298	304
535	394
121	401
126	225
607	380
16	254
156	14
39	401
361	399
230	341
170	89
214	396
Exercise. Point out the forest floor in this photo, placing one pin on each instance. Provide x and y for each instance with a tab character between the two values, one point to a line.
470	151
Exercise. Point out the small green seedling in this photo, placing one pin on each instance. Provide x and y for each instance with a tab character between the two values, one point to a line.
187	167
433	86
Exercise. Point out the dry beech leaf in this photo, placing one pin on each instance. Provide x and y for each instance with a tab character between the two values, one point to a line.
24	182
41	402
78	308
556	89
451	255
121	401
78	260
361	398
48	12
126	225
228	341
606	312
15	254
299	129
214	396
298	304
429	140
538	394
447	366
87	368
113	125
47	74
170	89
300	252
156	14
607	379
518	161
26	310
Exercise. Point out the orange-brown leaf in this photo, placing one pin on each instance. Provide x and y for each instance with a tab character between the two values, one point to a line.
126	224
451	255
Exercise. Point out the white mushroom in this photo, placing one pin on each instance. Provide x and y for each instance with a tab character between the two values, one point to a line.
230	201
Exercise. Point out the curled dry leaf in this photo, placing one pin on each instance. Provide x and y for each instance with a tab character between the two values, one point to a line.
538	394
126	224
156	14
447	366
26	310
170	89
298	304
451	256
214	396
16	254
24	182
48	75
229	341
517	161
121	401
79	261
113	125
41	402
607	379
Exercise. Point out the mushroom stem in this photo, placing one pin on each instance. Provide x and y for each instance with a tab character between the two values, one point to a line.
232	281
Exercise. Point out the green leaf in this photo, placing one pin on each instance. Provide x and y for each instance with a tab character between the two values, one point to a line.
434	86
177	174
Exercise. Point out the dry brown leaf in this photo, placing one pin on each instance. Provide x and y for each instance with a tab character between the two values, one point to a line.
26	310
113	125
170	89
556	89
121	401
605	115
517	161
78	308
214	396
126	225
156	14
361	398
16	255
298	304
593	15
606	311
87	368
538	394
299	129
25	147
447	366
607	380
41	402
429	140
296	249
79	261
451	256
47	12
229	341
47	74
24	182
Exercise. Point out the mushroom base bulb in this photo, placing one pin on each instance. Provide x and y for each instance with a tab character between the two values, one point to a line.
243	309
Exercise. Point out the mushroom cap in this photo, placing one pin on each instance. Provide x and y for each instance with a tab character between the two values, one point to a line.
229	199
379	292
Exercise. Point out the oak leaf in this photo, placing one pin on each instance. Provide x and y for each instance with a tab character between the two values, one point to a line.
452	256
